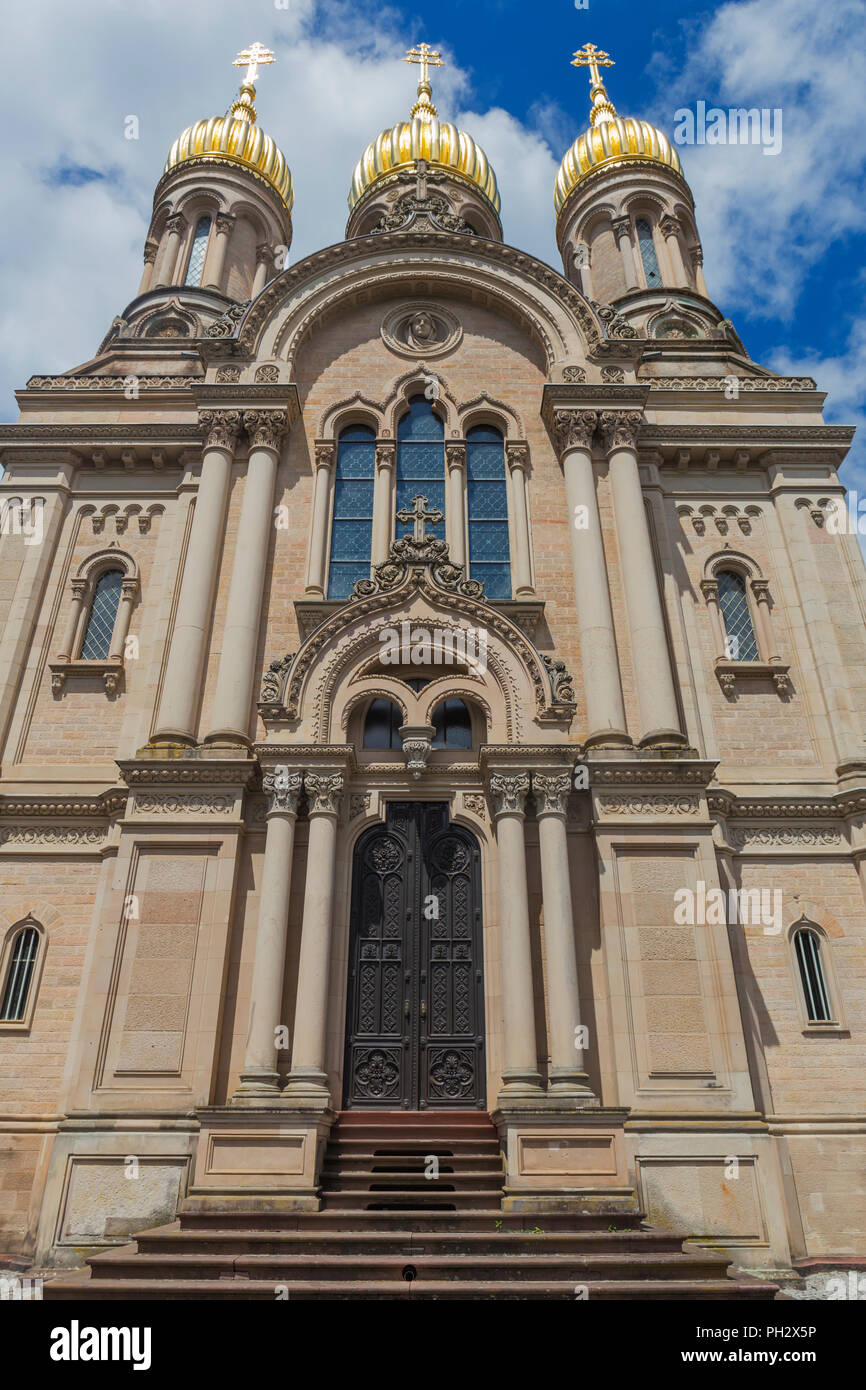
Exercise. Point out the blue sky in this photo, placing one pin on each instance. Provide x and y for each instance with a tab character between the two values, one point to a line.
784	237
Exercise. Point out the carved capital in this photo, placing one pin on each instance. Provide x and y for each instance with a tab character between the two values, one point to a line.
323	792
416	740
224	223
761	590
284	789
176	223
455	455
710	590
266	429
325	456
517	456
621	226
150	250
79	587
573	429
509	792
386	455
551	792
620	428
221	428
669	225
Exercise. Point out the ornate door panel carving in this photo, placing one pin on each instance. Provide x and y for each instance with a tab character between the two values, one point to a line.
415	1016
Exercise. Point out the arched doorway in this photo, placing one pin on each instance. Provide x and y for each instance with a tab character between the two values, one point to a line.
415	1010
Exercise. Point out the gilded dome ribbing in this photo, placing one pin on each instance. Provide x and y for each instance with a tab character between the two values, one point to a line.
611	139
425	137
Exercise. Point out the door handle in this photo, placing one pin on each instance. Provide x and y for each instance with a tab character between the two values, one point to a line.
406	1007
423	1009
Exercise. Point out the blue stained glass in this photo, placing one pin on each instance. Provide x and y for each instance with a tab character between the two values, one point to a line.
648	253
487	508
103	612
352	526
196	255
421	463
420	422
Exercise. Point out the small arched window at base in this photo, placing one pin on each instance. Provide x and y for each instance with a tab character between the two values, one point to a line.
813	976
21	964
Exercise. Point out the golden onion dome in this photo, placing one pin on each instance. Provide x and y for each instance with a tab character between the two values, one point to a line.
235	138
425	137
611	139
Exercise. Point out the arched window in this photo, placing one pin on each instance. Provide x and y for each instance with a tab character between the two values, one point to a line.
648	253
382	725
741	643
421	462
487	508
195	265
103	612
352	527
813	979
453	724
22	960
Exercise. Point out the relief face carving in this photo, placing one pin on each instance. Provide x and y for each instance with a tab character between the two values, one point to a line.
551	792
421	330
283	788
509	792
323	791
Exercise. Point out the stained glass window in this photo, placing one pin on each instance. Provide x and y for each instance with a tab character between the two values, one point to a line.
740	641
103	612
648	253
807	945
197	253
23	959
487	508
421	462
453	725
352	526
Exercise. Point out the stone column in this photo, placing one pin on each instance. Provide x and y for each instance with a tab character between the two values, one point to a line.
69	646
383	505
698	263
659	715
175	227
605	710
212	279
622	232
670	229
308	1076
521	1075
710	591
178	707
455	457
567	1073
128	591
263	262
766	633
325	453
150	250
230	715
517	456
259	1075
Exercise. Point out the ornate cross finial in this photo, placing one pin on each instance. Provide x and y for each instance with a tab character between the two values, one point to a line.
419	516
426	57
594	58
252	59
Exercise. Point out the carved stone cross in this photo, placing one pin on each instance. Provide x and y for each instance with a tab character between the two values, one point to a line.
419	515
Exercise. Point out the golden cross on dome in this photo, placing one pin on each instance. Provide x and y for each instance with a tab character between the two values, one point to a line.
426	57
418	515
252	59
593	58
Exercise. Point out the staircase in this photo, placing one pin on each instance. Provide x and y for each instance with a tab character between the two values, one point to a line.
388	1230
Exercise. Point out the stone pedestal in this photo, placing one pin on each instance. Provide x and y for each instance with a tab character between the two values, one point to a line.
563	1159
259	1158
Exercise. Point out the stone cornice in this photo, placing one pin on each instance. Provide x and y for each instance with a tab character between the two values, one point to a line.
99	807
835	806
299	755
192	770
799	384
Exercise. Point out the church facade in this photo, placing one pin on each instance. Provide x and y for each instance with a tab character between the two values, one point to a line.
431	682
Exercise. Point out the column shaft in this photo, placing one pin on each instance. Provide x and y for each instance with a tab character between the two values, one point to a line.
382	502
659	715
521	566
180	694
216	257
520	1075
230	716
259	1073
456	521
308	1075
605	708
321	504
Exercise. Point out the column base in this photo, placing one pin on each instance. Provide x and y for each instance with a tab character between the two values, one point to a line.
307	1083
171	738
664	738
229	738
264	1083
519	1082
609	738
572	1084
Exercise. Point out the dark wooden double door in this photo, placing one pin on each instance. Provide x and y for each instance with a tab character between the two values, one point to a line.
415	1013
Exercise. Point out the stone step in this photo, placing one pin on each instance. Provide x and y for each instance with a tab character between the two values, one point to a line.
129	1264
369	1180
403	1242
480	1220
472	1199
133	1290
377	1163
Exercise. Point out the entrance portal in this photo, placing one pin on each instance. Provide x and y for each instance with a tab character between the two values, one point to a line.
415	1014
